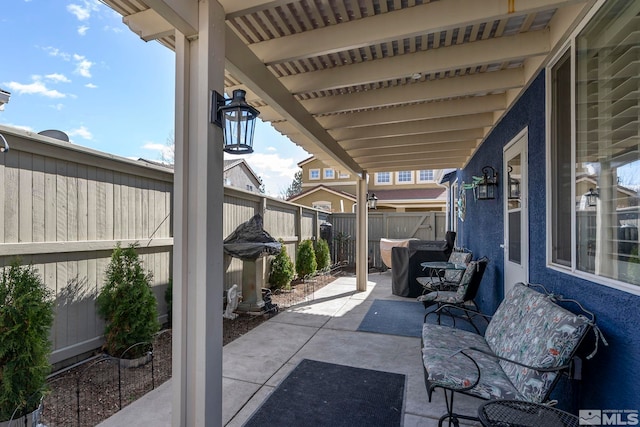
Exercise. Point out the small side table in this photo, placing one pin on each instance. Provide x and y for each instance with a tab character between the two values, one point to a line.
437	268
515	413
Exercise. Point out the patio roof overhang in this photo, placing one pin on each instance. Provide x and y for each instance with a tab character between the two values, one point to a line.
364	86
374	85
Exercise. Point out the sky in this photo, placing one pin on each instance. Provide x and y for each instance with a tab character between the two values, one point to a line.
72	65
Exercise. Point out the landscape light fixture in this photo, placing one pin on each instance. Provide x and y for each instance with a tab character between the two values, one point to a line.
488	184
237	120
514	186
372	201
592	197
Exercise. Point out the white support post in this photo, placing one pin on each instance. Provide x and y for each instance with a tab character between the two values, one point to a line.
362	234
198	254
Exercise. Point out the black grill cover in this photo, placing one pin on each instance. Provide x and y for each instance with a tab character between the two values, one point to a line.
407	269
249	241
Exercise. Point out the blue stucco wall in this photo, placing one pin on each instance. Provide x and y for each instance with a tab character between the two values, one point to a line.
611	380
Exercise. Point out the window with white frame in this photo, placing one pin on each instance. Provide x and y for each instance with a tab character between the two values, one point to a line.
329	173
383	178
314	173
343	175
425	175
404	177
594	210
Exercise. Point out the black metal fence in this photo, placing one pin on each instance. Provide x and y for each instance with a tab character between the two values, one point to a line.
90	392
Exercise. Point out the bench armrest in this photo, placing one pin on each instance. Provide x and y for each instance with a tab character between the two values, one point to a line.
446	310
534	368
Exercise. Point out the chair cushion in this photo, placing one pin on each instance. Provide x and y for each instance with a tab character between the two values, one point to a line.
446	297
457	258
532	329
447	368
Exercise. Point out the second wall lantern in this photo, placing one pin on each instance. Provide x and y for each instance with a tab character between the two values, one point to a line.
488	184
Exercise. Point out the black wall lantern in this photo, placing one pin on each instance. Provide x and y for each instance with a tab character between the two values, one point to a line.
592	197
488	184
237	120
514	186
372	201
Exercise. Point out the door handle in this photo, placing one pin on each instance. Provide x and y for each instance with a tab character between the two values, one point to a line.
502	246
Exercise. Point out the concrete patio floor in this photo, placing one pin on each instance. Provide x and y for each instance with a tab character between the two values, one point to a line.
324	329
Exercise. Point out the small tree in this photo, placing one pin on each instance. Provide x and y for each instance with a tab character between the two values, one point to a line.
127	304
26	315
341	241
282	272
306	259
294	188
323	258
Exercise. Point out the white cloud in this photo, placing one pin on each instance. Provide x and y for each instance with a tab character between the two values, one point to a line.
82	132
83	11
82	30
57	78
276	172
54	51
271	149
164	151
112	29
57	107
83	65
80	12
37	87
90	86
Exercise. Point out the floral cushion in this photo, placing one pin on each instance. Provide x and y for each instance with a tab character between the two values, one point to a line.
456	296
457	258
532	329
448	368
447	297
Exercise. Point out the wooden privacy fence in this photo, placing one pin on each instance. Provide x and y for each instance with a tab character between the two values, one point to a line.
390	225
63	208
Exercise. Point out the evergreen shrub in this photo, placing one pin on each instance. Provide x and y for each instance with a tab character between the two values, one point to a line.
26	315
282	272
306	259
128	305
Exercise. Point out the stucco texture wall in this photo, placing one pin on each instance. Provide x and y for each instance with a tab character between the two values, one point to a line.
610	379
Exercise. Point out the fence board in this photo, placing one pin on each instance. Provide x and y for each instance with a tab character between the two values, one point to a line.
64	209
390	225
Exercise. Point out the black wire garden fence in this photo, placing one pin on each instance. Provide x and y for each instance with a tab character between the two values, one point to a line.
92	391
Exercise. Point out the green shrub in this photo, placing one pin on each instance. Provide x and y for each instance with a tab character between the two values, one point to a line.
281	273
26	315
127	304
306	259
323	258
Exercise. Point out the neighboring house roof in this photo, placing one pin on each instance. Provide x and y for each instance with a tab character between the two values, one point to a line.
305	161
322	188
4	97
409	194
228	164
447	174
589	178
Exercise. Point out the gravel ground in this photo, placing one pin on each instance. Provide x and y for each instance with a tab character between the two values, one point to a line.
88	393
